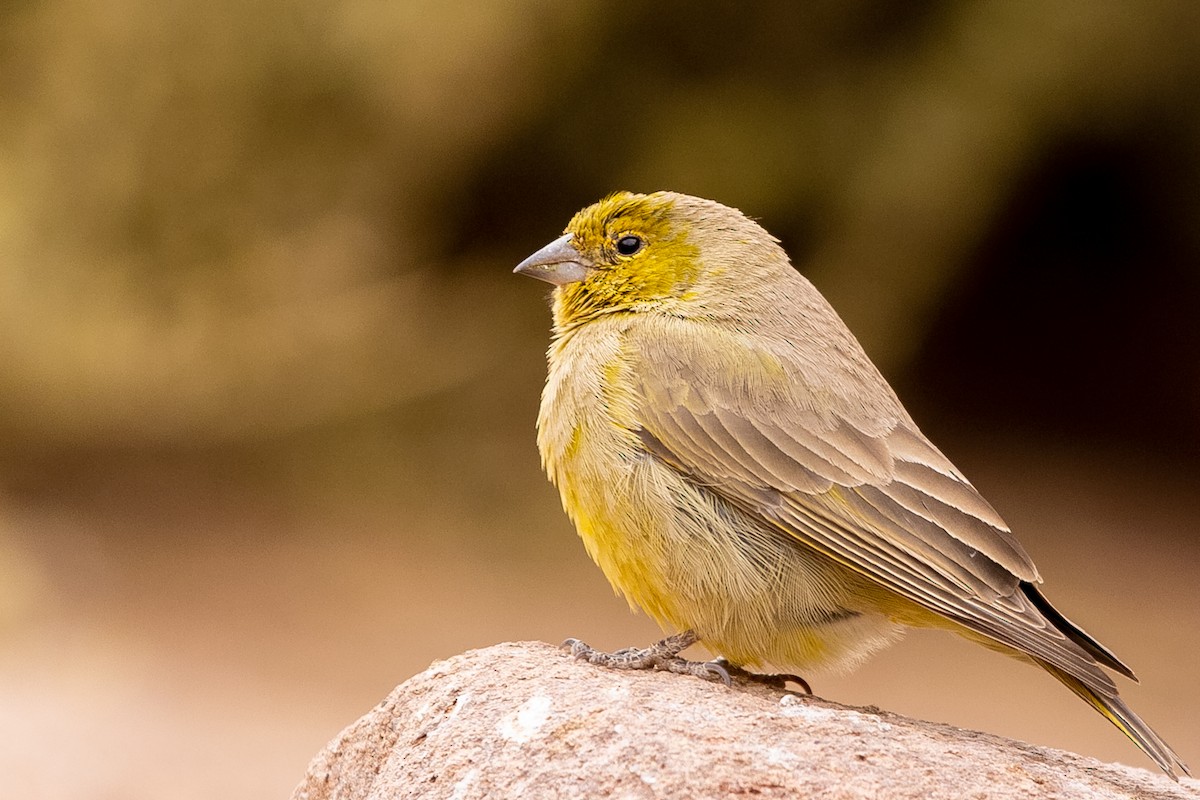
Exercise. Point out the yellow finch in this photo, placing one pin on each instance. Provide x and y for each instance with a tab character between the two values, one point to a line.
738	467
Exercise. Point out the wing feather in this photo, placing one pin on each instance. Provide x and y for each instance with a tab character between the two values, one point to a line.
1010	619
871	492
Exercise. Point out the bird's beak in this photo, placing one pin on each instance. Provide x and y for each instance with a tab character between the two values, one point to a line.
558	263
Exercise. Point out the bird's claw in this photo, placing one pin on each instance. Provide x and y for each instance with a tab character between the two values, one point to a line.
662	656
775	681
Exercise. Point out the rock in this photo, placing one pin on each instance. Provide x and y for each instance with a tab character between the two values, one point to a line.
525	720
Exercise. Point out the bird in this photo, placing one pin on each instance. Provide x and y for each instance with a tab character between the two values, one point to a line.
740	470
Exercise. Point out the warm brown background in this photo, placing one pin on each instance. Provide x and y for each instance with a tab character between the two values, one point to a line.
267	387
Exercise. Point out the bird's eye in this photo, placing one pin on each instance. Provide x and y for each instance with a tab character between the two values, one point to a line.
628	245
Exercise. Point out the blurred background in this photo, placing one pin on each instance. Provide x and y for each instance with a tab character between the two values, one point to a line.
268	387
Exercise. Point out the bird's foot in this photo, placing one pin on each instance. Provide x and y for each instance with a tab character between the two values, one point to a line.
663	656
775	681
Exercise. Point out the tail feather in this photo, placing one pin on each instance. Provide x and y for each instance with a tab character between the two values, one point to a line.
1075	633
1121	715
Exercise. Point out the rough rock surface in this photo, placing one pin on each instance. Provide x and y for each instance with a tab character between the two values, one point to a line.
525	720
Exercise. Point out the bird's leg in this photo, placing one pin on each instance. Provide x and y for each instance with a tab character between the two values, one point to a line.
775	681
662	656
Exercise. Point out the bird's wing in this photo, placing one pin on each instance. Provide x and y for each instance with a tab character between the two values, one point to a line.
872	493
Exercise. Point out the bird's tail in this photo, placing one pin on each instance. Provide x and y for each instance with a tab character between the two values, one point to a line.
1118	713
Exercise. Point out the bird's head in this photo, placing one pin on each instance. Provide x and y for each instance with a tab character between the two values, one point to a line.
661	252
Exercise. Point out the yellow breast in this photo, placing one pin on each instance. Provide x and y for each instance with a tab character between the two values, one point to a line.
591	451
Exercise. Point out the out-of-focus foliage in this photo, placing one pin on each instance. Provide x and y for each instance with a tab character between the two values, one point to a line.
221	218
227	218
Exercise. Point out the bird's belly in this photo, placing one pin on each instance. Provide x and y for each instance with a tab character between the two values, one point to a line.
692	560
